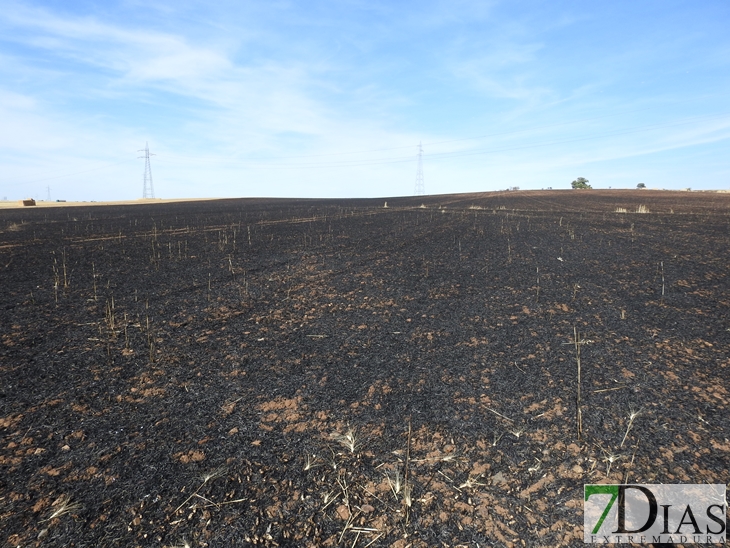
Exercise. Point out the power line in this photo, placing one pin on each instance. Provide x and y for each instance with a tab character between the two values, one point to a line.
254	164
376	161
563	141
69	174
461	139
148	191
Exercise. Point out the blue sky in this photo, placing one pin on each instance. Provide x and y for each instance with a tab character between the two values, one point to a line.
331	98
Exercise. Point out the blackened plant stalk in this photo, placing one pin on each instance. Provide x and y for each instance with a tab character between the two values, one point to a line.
407	489
65	276
579	413
56	278
110	317
631	465
93	274
150	341
662	267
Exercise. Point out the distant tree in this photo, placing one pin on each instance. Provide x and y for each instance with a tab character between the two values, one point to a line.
580	182
641	185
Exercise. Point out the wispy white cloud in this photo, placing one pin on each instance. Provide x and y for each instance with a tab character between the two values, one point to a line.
266	107
26	127
136	55
503	72
245	88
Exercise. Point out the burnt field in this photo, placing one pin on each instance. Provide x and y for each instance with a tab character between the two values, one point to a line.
340	373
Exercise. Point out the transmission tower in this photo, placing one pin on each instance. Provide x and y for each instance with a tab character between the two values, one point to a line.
148	191
420	186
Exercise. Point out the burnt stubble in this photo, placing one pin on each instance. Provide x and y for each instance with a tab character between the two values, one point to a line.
338	373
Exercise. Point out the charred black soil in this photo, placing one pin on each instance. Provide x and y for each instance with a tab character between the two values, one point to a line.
340	373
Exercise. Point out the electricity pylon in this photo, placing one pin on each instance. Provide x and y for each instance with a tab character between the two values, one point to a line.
420	186
148	191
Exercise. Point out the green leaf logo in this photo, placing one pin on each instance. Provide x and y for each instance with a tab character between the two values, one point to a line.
601	490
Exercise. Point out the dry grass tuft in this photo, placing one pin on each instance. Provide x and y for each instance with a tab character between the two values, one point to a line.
395	482
311	461
348	439
632	416
63	506
214	474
